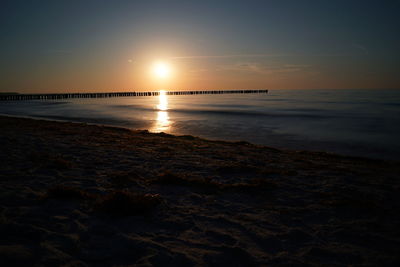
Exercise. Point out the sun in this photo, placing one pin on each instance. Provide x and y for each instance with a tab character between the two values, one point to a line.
161	70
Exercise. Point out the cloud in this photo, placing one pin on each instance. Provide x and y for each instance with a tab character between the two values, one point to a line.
243	67
254	67
361	48
233	56
228	56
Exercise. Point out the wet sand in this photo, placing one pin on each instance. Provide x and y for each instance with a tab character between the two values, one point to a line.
85	195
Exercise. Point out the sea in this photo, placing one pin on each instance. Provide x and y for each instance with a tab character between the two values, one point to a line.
363	122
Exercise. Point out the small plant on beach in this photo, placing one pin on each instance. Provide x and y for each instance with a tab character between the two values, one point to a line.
125	203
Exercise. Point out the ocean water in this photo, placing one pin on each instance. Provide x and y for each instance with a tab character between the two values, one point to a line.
350	122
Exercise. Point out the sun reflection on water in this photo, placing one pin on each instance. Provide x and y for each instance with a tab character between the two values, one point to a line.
163	101
162	123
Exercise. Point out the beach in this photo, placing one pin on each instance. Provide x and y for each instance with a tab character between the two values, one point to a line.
77	194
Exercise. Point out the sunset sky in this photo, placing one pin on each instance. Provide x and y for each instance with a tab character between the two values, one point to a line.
78	46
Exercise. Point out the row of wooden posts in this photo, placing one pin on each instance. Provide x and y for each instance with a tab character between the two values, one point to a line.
15	97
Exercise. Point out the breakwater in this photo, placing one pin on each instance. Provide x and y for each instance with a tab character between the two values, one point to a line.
16	97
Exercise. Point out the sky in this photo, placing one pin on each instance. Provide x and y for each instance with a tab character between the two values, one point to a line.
94	46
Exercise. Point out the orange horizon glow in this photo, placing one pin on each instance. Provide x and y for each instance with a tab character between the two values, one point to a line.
179	74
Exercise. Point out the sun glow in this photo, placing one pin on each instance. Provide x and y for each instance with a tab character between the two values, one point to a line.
161	70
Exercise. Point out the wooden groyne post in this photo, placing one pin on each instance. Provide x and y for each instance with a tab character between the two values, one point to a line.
17	97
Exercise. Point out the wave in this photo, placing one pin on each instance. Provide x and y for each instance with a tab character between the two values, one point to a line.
225	105
97	120
292	113
252	113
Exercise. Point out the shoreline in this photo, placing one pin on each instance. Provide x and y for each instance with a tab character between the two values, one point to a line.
313	148
87	194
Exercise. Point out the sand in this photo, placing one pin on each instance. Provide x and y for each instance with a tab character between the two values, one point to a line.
84	195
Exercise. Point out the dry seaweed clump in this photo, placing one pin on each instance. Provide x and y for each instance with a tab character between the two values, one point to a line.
66	192
127	203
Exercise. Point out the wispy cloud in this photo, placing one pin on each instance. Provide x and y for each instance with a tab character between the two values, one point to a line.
242	67
254	67
361	48
233	56
228	56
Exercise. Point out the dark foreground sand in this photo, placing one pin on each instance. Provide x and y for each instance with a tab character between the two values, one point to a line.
80	195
